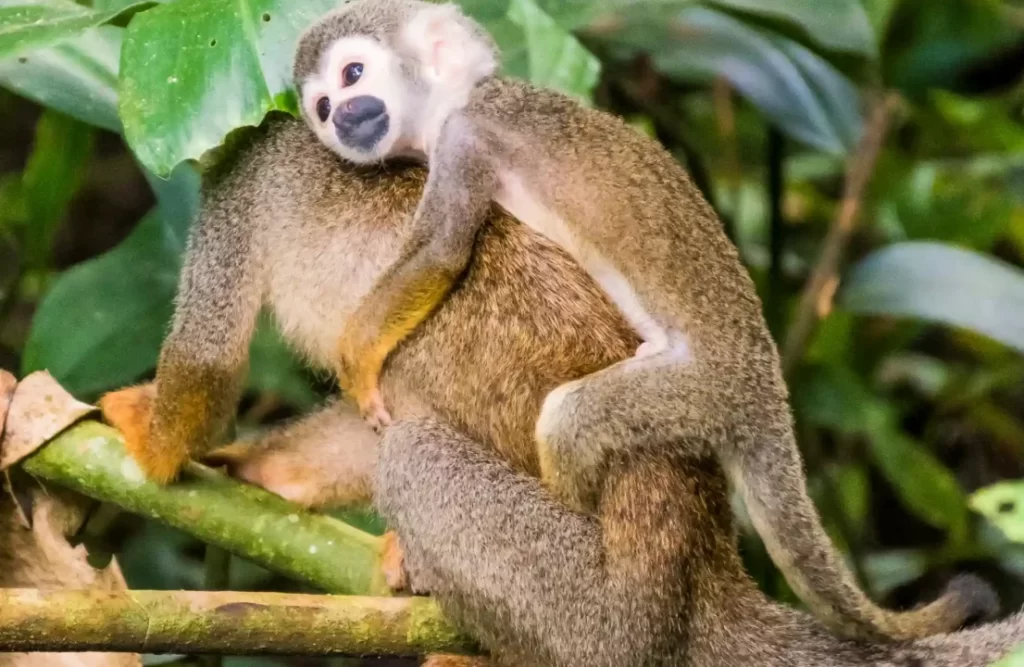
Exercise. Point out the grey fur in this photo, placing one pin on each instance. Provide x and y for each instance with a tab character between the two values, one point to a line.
627	201
656	580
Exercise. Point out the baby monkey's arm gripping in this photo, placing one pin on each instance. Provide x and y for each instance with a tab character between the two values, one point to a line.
458	193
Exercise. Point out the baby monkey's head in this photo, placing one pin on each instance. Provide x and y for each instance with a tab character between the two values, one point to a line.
377	78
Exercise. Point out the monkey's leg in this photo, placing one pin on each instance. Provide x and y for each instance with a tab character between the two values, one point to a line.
326	459
668	401
525	576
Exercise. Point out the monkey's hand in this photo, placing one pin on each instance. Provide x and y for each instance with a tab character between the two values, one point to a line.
130	411
359	375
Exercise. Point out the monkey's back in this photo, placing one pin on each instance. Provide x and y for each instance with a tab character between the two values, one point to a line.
626	197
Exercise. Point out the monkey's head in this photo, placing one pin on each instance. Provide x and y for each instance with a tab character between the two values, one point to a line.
377	78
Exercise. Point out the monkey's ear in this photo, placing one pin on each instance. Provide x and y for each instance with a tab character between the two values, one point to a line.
447	47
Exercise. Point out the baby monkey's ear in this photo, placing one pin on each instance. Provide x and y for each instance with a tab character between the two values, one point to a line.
451	52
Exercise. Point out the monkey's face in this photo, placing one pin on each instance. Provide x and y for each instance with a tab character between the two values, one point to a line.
355	103
377	95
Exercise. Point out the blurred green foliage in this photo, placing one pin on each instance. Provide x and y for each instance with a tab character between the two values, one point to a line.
910	395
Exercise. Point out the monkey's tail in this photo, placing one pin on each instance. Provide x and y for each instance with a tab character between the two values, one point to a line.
974	647
787	521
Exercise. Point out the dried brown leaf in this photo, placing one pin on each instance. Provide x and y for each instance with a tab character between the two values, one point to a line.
39	410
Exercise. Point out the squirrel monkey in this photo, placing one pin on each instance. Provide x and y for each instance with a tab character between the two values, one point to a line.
654	578
405	78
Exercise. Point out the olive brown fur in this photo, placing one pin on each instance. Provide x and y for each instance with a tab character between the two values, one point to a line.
654	578
710	381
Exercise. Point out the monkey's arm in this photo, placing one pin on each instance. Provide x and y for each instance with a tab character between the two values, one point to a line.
454	205
202	362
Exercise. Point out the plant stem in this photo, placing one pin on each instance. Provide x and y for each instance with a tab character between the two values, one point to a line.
816	301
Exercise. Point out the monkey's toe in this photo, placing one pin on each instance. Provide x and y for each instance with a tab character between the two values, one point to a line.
280	472
371	407
130	410
392	563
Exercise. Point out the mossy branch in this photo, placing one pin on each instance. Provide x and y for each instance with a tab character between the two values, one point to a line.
229	623
245	520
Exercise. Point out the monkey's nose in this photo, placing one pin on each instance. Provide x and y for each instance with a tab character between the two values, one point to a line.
357	111
361	122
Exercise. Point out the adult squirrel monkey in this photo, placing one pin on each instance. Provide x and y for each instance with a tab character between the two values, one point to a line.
654	579
382	79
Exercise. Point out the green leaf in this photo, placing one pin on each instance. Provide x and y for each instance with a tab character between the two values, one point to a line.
102	323
555	59
797	90
193	70
60	155
77	77
30	24
942	284
834	397
924	485
1003	505
841	25
879	14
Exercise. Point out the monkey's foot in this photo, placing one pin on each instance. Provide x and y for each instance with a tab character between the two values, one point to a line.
130	410
445	660
371	407
392	563
281	472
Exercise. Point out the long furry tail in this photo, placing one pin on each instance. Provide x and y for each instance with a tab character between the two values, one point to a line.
974	647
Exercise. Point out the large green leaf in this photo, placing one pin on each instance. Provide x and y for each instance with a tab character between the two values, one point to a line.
193	70
925	486
31	24
842	25
796	89
554	58
102	323
77	77
940	283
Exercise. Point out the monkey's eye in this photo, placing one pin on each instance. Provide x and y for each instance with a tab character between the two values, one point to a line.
323	109
352	73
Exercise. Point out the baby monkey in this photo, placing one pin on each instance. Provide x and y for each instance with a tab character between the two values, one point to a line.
404	78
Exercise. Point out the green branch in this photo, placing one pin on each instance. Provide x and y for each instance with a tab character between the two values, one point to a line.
245	520
228	623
